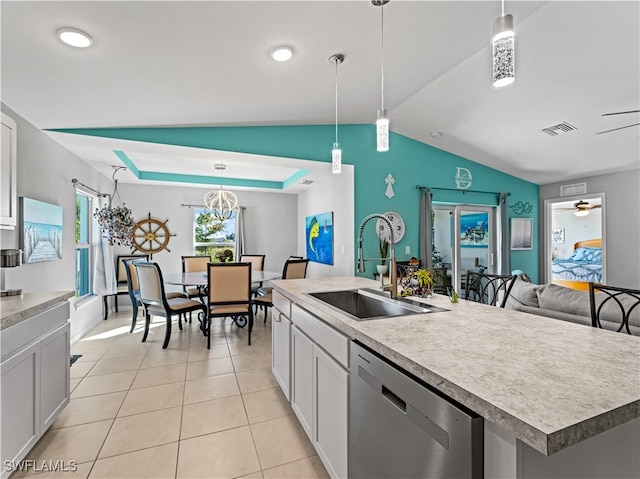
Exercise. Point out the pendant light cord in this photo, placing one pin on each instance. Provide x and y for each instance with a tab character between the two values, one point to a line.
336	101
382	55
503	8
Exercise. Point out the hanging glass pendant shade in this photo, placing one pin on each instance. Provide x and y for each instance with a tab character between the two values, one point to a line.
503	51
222	203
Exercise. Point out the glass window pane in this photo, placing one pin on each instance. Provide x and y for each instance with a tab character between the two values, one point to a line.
82	272
82	219
214	238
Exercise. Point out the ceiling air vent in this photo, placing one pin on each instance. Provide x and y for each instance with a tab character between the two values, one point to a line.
555	130
305	182
575	189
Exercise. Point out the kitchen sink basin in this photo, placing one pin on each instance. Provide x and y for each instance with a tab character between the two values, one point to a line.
365	304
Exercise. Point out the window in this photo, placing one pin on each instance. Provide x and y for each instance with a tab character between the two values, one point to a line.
214	238
83	244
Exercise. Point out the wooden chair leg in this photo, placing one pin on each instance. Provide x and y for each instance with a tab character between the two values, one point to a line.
167	334
208	320
250	325
105	302
134	307
147	322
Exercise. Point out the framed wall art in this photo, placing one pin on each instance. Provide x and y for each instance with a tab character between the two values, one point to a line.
319	237
521	233
557	235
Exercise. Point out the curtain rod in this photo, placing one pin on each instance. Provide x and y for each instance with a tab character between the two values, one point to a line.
76	183
419	187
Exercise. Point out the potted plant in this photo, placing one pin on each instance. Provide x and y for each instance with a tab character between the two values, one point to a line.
384	250
116	224
418	283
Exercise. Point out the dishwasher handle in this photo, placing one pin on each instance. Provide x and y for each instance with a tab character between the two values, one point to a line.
393	399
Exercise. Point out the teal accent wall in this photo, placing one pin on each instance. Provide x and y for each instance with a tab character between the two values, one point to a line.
410	162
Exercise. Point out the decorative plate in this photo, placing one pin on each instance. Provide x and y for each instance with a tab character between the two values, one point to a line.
397	223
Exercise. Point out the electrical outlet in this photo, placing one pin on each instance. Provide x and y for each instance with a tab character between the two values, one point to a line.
407	250
342	250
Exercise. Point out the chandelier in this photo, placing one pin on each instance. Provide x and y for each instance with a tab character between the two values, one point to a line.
221	203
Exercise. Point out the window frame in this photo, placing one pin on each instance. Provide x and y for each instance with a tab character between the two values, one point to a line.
88	246
231	244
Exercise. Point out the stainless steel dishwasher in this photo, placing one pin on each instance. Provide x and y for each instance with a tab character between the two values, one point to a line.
401	429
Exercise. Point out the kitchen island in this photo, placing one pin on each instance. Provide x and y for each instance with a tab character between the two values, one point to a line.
553	394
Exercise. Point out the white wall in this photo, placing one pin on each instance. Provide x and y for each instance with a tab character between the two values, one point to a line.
622	205
45	170
334	194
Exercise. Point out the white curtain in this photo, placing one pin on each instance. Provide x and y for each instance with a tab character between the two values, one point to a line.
240	241
104	274
504	248
426	229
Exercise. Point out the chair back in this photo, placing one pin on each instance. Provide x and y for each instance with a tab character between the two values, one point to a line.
295	269
488	288
195	264
229	283
121	268
441	282
615	308
256	260
150	282
133	284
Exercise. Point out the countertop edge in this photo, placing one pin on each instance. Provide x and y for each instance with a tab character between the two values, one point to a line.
544	442
29	304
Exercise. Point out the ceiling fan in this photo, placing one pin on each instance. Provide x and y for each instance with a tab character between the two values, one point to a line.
622	127
581	208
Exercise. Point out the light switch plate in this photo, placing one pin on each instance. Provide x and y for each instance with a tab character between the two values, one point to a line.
407	250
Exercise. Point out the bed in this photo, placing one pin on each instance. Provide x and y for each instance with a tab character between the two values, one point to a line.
583	266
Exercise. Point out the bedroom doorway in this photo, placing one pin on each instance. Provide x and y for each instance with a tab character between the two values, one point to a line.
575	245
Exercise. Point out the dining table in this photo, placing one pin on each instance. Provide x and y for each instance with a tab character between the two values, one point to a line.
200	279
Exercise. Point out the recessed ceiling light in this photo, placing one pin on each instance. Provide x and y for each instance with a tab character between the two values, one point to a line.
282	53
74	37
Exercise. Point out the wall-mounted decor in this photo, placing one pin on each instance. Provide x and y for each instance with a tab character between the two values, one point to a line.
474	230
397	223
150	236
557	235
521	233
389	180
319	236
520	208
463	178
40	230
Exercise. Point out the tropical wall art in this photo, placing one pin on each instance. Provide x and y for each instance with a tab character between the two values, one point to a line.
41	231
319	236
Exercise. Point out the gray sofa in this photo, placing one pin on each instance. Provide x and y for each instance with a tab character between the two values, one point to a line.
558	302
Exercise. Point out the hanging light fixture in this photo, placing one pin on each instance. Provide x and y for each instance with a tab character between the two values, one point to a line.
382	121
503	50
336	152
221	203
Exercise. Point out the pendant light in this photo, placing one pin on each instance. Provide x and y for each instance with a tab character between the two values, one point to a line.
382	121
336	152
503	50
221	203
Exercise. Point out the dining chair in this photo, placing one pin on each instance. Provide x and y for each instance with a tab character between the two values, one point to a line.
156	303
257	264
195	264
121	280
488	288
229	296
293	269
615	308
133	288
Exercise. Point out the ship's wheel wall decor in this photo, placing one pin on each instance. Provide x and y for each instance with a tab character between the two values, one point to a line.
151	236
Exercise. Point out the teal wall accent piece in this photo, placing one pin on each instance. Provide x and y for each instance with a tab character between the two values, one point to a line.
409	161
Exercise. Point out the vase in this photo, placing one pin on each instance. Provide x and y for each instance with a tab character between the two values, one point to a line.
382	269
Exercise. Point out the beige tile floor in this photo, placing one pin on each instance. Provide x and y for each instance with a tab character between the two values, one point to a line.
139	411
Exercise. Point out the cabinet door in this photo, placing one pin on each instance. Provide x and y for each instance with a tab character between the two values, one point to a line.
301	378
330	420
54	374
20	419
8	166
281	350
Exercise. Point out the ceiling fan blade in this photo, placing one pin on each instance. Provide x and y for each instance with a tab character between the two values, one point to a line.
614	129
621	112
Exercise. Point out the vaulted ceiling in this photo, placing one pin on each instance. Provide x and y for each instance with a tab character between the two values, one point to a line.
178	63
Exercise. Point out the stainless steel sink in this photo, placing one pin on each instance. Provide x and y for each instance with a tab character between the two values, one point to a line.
365	304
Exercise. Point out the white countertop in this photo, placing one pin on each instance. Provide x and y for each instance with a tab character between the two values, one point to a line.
548	382
15	309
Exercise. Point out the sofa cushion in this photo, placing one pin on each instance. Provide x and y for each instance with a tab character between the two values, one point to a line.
522	293
566	300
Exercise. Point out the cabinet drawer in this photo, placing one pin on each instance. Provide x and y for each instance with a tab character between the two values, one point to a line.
333	342
282	304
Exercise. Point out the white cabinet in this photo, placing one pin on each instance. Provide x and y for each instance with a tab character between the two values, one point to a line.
34	379
302	379
281	342
8	167
320	387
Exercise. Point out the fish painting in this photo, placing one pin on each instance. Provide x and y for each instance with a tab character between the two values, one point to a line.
319	236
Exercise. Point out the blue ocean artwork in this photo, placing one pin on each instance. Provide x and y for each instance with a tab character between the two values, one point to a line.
474	230
319	238
42	242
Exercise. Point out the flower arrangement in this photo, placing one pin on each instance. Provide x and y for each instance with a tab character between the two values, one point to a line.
417	283
116	224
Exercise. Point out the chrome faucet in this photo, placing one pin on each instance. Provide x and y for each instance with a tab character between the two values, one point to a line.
393	278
